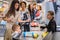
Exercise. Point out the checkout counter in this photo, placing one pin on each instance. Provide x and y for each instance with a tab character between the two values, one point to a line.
28	35
37	33
48	36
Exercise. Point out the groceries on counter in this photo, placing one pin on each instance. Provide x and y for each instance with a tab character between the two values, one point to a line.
35	35
34	24
30	34
44	34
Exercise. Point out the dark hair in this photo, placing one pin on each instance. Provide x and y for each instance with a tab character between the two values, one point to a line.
12	9
51	12
14	26
24	3
29	9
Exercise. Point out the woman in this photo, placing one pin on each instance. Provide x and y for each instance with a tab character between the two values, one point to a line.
34	9
52	24
11	18
24	16
13	12
30	9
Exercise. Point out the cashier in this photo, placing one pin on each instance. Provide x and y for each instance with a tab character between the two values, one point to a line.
52	23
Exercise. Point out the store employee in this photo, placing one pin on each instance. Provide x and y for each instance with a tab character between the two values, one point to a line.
52	24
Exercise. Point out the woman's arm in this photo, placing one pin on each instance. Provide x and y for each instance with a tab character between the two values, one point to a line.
19	19
7	19
28	16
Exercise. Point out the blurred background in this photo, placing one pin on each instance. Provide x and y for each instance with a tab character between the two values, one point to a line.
45	6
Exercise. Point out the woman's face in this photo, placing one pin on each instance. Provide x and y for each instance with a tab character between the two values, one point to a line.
34	6
23	5
16	6
38	7
49	16
31	7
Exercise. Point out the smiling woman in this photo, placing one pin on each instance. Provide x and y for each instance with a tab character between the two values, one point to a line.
11	18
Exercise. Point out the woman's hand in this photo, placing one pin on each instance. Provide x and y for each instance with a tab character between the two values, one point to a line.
28	20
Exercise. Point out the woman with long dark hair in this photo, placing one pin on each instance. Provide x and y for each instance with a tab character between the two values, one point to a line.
11	18
14	7
30	9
